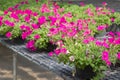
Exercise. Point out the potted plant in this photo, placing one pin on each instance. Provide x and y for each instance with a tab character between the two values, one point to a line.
77	46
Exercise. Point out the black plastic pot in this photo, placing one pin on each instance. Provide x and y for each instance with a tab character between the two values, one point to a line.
86	74
113	28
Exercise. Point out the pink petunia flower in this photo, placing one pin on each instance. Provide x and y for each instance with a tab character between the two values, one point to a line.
112	19
5	12
118	55
86	32
25	34
53	31
28	12
98	43
111	40
118	34
105	55
34	13
117	41
101	27
1	23
41	20
14	16
10	9
63	50
53	20
37	1
31	45
27	18
108	63
37	36
104	3
50	53
35	26
8	34
8	23
57	51
44	9
106	45
1	18
25	28
82	4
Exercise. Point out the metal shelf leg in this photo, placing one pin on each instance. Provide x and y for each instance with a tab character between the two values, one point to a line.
14	66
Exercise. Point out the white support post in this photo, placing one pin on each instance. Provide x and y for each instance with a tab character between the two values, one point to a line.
15	66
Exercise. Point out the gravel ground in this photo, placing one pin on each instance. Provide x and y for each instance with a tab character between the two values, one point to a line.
26	69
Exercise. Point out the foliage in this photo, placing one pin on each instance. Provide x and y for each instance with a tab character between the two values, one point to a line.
71	27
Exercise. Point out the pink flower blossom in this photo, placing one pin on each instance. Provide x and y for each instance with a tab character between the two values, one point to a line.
105	45
10	9
8	34
22	2
37	36
41	20
28	11
50	53
16	6
27	18
25	34
53	20
88	40
34	13
57	51
35	26
108	63
105	55
72	33
112	19
1	23
101	27
56	5
70	2
98	43
1	18
53	31
82	4
44	9
8	23
60	43
31	45
25	28
62	20
111	34
61	9
117	41
37	1
14	15
63	50
26	2
104	3
5	12
69	15
118	34
112	10
86	32
111	40
118	55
